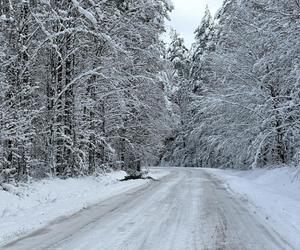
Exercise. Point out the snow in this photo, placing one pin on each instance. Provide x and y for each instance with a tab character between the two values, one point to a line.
190	208
170	4
274	193
30	207
157	173
84	12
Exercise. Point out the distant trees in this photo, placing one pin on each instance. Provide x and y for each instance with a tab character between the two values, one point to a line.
177	85
79	86
244	87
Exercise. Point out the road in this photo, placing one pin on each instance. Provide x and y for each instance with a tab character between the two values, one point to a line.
188	209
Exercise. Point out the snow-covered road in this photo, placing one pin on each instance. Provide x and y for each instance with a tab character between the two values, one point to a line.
188	209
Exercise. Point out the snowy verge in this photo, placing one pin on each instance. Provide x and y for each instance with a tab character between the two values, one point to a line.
275	193
30	207
157	172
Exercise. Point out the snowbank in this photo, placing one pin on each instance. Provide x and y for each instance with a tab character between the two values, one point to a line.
32	206
275	193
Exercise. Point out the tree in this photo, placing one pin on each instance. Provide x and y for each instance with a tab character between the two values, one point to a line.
204	43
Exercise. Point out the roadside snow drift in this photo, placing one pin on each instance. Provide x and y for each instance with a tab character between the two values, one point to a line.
274	193
32	206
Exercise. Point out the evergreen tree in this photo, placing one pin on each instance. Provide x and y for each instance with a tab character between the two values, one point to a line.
204	43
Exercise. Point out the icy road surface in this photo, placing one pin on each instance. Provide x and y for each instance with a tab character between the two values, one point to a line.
188	209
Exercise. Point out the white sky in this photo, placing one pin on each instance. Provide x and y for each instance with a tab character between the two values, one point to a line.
187	16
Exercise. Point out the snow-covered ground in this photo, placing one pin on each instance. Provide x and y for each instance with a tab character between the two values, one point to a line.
188	209
274	193
32	206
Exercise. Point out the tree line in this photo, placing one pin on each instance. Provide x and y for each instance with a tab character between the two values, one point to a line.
80	86
89	85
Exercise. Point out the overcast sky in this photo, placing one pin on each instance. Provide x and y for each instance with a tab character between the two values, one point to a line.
188	14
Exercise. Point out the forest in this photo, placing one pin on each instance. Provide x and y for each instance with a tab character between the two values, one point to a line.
80	86
91	85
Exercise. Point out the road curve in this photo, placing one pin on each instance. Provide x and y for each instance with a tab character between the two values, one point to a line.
186	210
